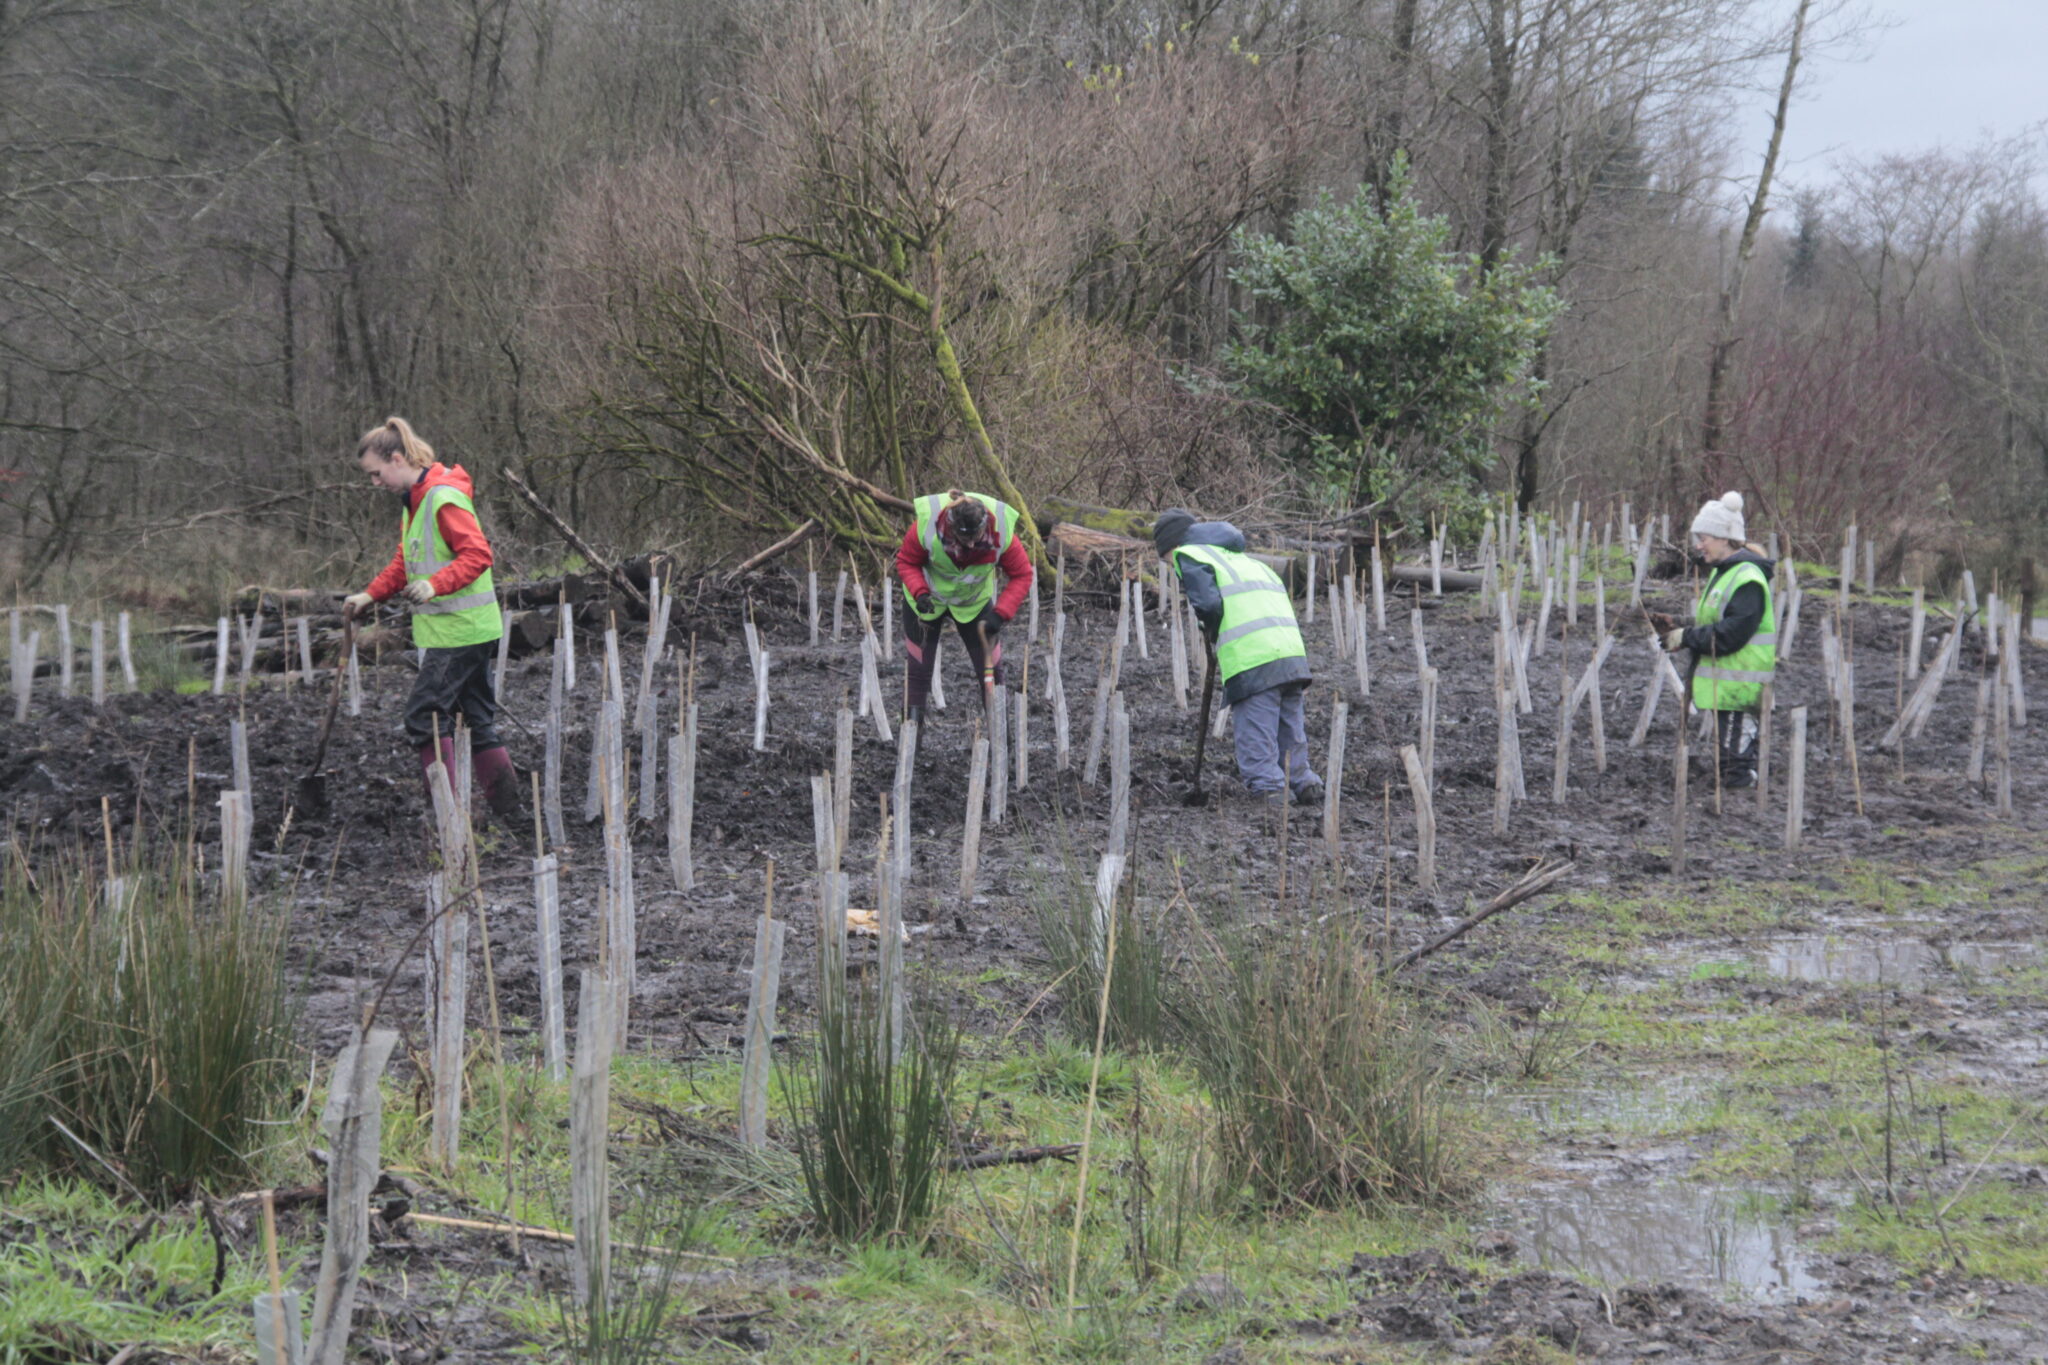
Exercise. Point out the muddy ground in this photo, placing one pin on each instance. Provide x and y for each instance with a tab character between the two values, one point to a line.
358	871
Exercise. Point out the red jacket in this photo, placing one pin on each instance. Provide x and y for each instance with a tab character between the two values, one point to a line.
458	527
911	557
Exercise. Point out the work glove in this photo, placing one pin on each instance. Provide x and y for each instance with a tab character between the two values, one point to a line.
1674	640
358	605
991	623
420	591
923	603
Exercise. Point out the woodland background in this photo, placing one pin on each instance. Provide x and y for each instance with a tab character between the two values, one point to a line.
687	265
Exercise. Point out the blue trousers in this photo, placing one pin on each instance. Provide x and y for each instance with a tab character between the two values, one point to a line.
1268	724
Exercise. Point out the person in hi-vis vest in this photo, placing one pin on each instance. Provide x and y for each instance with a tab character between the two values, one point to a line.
1248	619
1734	638
956	545
443	568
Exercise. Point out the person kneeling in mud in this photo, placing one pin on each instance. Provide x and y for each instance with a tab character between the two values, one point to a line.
1734	638
1248	621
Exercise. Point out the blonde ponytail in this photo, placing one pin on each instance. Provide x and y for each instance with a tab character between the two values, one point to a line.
396	440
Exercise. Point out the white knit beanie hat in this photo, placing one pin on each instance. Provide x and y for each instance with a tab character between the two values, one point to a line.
1721	517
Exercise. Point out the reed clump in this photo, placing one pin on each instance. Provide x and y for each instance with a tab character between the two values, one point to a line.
144	1013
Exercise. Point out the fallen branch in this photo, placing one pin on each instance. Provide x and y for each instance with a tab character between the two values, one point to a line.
1539	880
1013	1156
550	1235
788	542
576	542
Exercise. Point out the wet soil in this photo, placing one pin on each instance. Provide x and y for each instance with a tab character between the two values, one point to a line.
356	871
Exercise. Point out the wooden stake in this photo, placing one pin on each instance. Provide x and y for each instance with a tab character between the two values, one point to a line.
1062	731
2001	732
1680	764
1105	682
899	799
1979	720
1333	783
354	1119
448	973
1795	782
589	1139
682	802
1119	776
1425	820
970	843
1021	729
758	1051
842	774
99	665
1138	618
66	651
547	901
1767	706
889	948
1379	586
1916	633
550	803
871	688
1504	759
1427	727
998	718
1561	768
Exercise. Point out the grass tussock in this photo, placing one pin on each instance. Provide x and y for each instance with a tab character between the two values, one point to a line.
1074	927
150	1019
874	1134
1326	1090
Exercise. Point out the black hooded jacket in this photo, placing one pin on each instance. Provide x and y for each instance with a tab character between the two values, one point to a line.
1739	619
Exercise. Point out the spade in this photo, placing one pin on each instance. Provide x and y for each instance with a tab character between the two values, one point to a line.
310	795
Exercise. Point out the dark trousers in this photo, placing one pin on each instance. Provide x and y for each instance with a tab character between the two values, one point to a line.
921	654
454	682
1735	744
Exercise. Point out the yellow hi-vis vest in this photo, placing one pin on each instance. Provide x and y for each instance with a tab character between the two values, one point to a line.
1735	682
467	616
1258	618
961	589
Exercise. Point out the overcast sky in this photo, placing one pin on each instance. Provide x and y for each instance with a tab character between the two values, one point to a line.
1945	72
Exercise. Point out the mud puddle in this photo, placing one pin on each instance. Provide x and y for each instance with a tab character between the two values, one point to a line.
1664	1230
1858	956
1653	1104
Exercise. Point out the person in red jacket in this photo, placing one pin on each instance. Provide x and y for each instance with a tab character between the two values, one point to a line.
948	561
443	569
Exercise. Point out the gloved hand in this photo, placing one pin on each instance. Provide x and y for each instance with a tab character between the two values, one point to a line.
420	591
991	624
1674	640
924	605
358	605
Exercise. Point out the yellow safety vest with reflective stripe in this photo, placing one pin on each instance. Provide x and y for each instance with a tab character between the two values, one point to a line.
1735	682
961	589
467	616
1258	618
